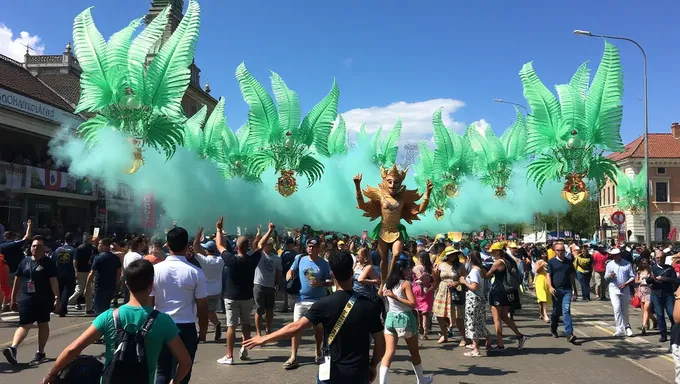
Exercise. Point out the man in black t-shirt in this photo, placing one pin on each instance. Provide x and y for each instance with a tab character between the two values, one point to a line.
82	263
13	250
64	257
35	294
238	291
562	284
107	268
349	352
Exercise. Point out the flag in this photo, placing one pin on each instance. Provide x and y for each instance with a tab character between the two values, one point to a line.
148	211
671	235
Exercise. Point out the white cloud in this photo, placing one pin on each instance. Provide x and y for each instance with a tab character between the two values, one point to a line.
14	46
481	126
416	118
348	62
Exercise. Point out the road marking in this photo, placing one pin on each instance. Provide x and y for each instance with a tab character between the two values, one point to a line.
628	359
53	332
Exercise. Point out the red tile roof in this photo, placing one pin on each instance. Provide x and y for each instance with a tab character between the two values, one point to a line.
17	79
661	146
66	85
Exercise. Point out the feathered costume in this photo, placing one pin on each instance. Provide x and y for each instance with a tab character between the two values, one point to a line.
568	137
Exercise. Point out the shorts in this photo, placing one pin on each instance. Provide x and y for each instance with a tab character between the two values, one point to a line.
238	311
213	302
403	324
264	298
301	308
35	311
501	298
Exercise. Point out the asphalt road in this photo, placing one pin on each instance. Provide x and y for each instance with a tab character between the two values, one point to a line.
598	357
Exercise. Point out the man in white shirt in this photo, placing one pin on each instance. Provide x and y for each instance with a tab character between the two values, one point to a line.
620	275
212	265
180	291
137	249
268	276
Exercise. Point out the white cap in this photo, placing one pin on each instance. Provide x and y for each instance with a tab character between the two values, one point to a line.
614	251
667	250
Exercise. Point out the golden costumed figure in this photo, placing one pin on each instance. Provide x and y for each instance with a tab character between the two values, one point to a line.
392	202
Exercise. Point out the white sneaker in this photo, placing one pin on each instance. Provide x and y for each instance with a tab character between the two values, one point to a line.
618	334
426	380
629	332
226	360
243	354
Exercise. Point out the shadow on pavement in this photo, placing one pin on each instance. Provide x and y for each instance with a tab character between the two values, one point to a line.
16	368
625	349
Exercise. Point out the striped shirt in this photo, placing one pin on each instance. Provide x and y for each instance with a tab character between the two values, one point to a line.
623	271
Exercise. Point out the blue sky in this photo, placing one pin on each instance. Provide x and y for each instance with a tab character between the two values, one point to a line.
420	55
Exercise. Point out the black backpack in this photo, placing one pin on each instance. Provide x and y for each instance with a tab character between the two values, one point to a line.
82	370
512	279
129	364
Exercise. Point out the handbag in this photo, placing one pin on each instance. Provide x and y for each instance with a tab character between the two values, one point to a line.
294	285
635	301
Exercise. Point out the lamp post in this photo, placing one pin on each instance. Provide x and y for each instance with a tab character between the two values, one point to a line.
648	216
526	110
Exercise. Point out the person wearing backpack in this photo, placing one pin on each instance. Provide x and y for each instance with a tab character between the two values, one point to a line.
148	331
504	291
561	283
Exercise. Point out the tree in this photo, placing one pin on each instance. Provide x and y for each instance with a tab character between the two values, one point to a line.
580	219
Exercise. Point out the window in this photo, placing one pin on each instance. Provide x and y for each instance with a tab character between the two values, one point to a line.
661	171
613	194
609	197
661	191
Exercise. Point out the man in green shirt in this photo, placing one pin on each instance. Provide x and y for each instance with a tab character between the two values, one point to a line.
139	280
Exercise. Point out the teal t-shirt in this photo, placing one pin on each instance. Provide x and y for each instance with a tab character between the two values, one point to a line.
132	319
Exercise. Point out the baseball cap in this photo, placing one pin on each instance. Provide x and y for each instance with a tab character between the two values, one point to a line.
341	242
512	244
210	246
419	242
614	251
484	243
313	242
497	246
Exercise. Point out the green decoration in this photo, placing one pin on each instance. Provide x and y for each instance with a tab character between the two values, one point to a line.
425	169
280	140
568	137
494	157
632	191
122	93
383	151
337	143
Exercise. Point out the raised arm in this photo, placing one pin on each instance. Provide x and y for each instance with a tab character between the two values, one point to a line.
29	230
218	236
196	246
426	199
359	196
265	238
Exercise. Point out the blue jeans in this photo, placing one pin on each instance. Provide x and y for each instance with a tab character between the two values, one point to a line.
661	304
584	281
167	365
562	307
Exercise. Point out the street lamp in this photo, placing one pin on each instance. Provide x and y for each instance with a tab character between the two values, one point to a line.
511	103
648	224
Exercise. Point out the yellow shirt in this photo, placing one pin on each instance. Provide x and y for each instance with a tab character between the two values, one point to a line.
551	253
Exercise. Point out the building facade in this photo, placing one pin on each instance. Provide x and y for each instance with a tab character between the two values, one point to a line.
664	176
37	99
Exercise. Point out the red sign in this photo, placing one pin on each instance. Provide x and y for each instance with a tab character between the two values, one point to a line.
148	211
52	180
618	217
